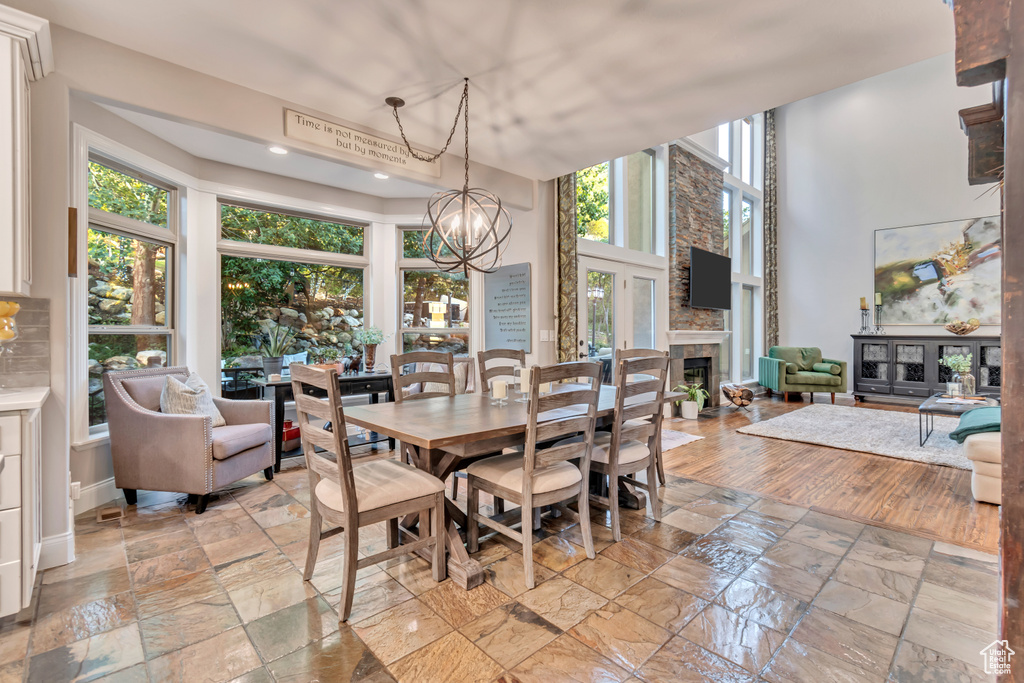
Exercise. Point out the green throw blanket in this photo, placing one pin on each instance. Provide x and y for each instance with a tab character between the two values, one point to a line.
984	419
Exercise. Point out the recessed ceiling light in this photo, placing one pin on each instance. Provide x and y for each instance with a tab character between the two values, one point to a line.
380	176
277	149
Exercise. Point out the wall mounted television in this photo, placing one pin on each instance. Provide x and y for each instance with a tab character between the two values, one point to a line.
710	280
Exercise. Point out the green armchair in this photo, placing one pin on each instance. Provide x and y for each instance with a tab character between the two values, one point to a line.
797	369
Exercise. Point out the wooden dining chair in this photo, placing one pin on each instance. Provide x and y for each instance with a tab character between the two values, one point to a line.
423	383
537	477
627	354
501	369
351	496
631	446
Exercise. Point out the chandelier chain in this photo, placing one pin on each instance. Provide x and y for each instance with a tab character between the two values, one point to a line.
463	103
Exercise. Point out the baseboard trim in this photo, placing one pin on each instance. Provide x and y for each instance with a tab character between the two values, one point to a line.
57	550
95	495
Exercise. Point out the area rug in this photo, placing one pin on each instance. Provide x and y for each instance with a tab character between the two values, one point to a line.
673	439
882	432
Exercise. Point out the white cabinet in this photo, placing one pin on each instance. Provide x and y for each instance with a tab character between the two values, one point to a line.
20	507
25	55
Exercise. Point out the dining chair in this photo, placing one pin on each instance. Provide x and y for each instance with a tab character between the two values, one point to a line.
626	354
536	477
351	496
630	447
501	369
425	380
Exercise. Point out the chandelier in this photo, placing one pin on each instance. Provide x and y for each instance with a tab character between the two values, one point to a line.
469	228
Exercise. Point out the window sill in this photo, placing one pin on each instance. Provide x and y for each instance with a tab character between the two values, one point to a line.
93	441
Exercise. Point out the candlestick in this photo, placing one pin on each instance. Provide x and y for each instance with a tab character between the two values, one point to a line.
878	317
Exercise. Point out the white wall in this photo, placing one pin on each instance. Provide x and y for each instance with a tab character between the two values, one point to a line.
882	153
88	69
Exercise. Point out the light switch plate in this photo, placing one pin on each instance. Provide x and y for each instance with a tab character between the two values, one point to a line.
544	335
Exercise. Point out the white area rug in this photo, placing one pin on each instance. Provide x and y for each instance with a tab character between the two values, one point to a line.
883	432
673	439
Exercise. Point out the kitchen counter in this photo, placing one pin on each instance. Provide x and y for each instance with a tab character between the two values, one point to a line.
23	399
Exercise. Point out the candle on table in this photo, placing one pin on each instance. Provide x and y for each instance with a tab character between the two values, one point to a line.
499	389
524	381
878	298
545	388
863	303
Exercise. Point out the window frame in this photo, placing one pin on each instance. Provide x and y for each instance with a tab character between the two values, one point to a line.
408	263
741	192
90	146
270	252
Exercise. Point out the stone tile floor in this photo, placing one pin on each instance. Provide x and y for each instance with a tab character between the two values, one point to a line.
730	587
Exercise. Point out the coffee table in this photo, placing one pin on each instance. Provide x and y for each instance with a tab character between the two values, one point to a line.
927	411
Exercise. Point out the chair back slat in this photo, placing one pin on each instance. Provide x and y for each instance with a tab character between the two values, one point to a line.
642	386
561	414
501	369
629	354
445	376
556	454
639	395
334	442
314	406
556	429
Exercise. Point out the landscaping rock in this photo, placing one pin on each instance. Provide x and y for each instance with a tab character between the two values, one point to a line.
113	306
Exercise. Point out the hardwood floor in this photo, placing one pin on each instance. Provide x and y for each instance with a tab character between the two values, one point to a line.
928	500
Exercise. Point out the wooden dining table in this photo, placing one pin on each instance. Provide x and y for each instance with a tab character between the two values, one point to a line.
438	433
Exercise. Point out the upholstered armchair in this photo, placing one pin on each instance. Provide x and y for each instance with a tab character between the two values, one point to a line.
155	451
797	369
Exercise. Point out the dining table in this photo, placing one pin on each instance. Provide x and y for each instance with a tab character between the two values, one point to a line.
439	433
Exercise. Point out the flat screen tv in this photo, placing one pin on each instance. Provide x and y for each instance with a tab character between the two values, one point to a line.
710	280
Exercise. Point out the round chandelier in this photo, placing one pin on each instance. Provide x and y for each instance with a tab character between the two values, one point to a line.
469	228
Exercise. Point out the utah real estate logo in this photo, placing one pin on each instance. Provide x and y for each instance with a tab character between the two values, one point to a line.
997	657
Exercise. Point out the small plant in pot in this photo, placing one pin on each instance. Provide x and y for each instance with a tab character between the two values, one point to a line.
694	401
369	338
273	347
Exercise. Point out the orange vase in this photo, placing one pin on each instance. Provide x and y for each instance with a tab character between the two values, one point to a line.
369	356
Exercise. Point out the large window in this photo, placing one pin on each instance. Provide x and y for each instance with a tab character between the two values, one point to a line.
130	244
616	202
433	305
299	277
740	143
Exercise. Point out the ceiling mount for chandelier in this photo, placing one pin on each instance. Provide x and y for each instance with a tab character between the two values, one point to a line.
469	228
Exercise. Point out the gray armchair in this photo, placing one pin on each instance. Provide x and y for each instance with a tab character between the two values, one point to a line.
155	451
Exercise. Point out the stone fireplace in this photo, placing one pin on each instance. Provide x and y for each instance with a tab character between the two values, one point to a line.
695	217
692	352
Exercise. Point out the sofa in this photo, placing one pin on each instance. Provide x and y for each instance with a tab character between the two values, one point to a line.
796	369
985	451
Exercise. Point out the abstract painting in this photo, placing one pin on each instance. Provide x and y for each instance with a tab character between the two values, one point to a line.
939	272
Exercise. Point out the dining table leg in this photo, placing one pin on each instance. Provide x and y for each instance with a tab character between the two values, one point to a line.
462	569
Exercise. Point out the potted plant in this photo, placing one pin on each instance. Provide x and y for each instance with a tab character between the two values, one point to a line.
278	341
694	401
369	338
963	381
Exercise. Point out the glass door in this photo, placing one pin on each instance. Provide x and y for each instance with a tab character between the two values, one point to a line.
618	309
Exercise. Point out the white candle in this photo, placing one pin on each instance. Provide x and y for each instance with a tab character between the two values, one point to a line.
524	381
545	388
878	298
499	388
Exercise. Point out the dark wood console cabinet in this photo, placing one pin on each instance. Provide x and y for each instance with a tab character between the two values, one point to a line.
908	367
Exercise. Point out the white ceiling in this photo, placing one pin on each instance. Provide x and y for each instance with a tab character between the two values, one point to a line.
557	84
237	151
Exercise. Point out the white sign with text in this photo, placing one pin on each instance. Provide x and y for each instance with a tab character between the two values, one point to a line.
507	308
352	142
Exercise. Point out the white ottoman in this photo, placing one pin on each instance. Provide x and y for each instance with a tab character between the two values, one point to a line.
985	453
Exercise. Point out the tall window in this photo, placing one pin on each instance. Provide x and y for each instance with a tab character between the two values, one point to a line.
740	143
434	306
616	202
294	277
593	194
131	237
